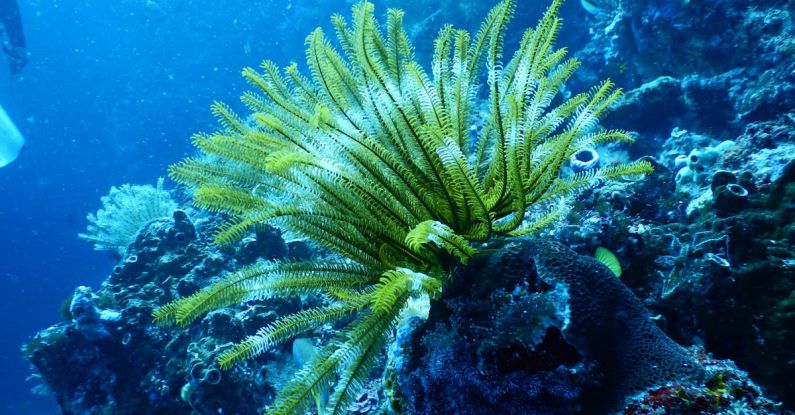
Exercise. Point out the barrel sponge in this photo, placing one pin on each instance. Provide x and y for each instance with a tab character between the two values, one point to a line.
610	325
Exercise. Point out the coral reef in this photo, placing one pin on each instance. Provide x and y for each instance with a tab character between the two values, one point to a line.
708	67
725	391
719	271
372	158
497	342
705	242
493	344
503	340
110	357
608	323
711	253
741	51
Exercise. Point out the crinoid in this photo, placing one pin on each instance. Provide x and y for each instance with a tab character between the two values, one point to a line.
377	160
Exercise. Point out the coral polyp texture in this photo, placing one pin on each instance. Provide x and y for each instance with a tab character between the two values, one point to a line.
376	160
608	323
125	210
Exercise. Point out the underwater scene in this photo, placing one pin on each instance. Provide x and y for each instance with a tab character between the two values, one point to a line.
397	207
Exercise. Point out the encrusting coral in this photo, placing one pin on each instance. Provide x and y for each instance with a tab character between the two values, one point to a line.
376	160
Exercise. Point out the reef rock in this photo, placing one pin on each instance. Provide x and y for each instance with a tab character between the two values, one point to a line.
536	328
110	358
492	345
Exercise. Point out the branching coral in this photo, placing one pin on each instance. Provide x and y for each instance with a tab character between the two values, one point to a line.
124	211
372	158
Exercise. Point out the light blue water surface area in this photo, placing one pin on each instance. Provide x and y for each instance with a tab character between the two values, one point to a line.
111	94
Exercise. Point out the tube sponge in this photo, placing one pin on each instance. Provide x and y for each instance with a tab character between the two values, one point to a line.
584	160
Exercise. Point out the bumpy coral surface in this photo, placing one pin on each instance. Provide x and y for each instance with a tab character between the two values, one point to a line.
110	357
493	345
609	323
550	331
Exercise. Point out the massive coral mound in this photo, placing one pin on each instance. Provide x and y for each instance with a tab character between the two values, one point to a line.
610	324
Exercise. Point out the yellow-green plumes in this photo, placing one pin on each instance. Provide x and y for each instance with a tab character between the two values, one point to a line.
368	155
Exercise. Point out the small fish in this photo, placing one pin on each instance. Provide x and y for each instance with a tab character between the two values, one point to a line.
590	8
608	258
303	352
598	7
11	140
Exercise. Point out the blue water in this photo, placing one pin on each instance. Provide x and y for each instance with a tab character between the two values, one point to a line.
111	95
